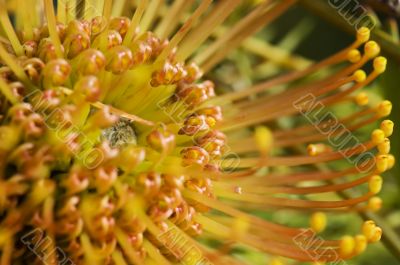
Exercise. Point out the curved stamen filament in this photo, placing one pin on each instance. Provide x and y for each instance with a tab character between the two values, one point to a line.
26	21
262	16
299	160
62	11
253	116
279	179
7	92
198	35
224	208
272	247
108	4
129	251
52	24
309	128
266	201
150	15
9	30
256	189
172	18
10	61
155	254
293	94
177	38
137	16
287	78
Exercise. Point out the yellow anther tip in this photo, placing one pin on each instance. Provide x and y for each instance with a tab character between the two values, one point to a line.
377	234
375	184
361	244
377	136
347	246
391	161
363	34
361	99
387	127
354	56
360	76
372	232
264	139
374	204
385	108
318	222
382	163
384	147
380	64
372	49
368	228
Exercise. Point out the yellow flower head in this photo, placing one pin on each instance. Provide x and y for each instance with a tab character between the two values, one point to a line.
115	149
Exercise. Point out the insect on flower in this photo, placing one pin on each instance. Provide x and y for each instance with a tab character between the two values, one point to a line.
114	149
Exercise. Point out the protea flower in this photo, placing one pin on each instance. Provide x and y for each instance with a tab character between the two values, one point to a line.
115	150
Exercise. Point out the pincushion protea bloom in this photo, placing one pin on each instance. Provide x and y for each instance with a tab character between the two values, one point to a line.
114	150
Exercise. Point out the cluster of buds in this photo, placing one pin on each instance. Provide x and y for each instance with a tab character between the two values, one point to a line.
195	94
96	161
104	40
67	139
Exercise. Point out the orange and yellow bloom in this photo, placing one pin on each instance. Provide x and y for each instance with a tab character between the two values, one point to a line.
114	149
